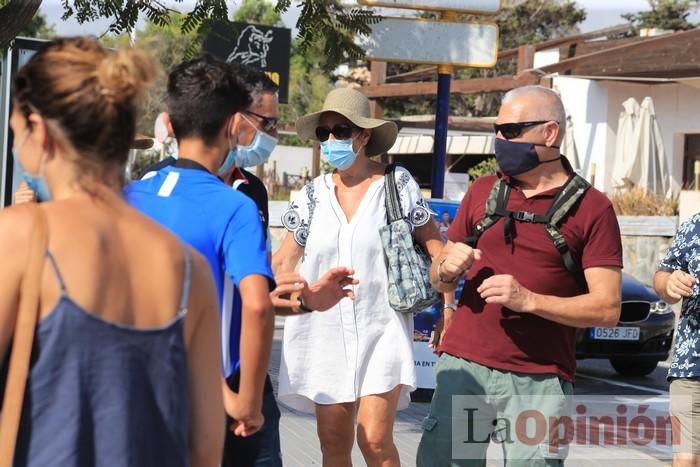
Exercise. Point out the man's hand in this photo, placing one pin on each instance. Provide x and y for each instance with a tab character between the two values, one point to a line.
680	284
330	289
504	290
24	194
458	261
247	419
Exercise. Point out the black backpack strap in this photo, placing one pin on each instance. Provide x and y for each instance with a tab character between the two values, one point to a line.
495	205
570	194
566	199
570	264
392	199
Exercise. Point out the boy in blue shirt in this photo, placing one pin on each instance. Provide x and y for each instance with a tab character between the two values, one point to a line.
204	101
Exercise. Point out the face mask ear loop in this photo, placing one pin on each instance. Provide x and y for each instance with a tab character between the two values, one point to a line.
228	134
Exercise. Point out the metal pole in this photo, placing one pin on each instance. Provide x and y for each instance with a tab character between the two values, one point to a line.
440	147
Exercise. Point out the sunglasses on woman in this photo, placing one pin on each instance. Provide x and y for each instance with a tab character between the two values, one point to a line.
268	123
339	131
513	130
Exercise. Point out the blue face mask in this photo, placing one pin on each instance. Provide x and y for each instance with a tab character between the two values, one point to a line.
258	152
516	157
338	153
36	183
230	158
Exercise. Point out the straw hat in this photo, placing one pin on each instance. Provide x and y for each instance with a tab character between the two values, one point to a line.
354	106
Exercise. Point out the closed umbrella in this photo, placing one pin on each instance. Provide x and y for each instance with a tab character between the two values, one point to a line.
569	146
624	164
650	156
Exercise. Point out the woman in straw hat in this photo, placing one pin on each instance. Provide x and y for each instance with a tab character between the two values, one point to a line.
357	357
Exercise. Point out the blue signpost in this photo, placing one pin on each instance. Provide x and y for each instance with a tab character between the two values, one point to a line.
441	123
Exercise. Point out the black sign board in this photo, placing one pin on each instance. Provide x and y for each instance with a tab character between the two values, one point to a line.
19	53
264	47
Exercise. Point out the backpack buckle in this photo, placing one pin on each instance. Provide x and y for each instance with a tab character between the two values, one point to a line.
524	216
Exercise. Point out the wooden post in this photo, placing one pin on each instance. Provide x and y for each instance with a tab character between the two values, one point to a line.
315	159
376	106
376	78
526	58
696	170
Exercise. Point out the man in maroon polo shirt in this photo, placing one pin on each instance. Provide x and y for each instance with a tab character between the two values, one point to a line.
514	331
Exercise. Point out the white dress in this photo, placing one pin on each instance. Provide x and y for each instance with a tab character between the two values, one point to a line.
360	347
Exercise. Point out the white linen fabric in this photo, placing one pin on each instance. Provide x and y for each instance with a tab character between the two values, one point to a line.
360	347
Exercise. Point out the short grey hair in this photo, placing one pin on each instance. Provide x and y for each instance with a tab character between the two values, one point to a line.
552	108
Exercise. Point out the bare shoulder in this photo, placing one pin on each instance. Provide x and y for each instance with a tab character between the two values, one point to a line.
16	224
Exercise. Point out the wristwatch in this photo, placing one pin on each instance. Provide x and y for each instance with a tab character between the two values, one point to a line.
451	306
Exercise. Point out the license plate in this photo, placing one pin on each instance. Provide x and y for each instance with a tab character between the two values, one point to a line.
619	333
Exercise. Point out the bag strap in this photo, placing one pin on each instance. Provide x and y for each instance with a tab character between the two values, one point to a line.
569	195
27	316
392	200
565	201
495	207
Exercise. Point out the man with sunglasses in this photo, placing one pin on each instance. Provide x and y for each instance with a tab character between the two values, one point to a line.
257	137
511	344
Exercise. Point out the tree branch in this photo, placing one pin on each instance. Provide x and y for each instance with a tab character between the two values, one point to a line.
13	17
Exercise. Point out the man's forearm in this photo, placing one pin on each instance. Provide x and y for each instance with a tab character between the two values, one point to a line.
660	286
580	311
255	347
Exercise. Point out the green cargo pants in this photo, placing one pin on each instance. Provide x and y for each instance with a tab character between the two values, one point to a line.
474	405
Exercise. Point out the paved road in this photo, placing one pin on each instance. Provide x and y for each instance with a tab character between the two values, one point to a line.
595	379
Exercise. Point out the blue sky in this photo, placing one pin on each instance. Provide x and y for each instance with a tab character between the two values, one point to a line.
601	13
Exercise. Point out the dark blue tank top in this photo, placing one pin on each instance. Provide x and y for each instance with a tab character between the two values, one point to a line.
105	394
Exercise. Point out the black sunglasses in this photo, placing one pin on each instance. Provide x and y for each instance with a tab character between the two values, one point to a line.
513	130
339	131
268	123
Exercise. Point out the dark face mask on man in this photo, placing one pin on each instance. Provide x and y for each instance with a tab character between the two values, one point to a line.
515	157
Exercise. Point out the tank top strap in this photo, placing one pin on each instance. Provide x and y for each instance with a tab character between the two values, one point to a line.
186	281
57	272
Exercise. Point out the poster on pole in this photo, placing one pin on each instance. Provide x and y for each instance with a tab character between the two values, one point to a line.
416	40
264	47
460	6
425	321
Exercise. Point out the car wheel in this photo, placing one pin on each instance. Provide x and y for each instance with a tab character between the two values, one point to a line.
633	366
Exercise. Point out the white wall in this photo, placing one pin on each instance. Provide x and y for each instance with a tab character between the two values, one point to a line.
587	103
676	107
290	159
595	108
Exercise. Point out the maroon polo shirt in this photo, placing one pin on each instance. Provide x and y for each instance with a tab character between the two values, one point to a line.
497	337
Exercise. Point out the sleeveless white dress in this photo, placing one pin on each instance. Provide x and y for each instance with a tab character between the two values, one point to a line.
360	347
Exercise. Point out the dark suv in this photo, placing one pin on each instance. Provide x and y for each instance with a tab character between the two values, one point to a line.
642	338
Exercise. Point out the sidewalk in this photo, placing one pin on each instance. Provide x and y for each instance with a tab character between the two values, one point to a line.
300	447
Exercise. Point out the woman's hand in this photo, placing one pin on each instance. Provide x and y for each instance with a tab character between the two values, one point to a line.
24	194
320	296
330	289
